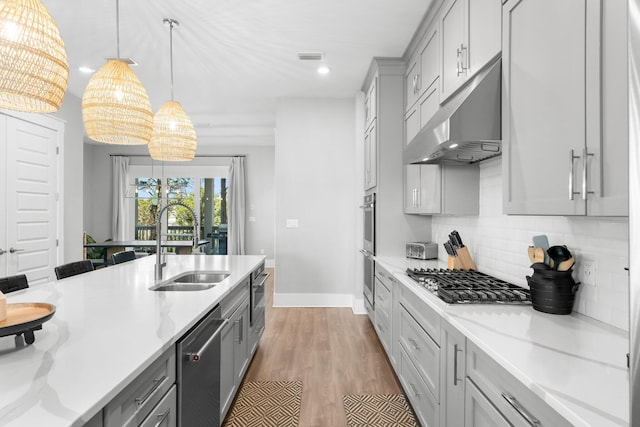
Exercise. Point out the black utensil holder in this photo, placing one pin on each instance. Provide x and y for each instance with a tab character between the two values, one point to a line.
553	291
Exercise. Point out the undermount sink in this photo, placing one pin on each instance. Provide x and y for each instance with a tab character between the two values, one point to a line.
191	281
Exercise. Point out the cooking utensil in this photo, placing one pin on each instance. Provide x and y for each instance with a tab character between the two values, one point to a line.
558	254
542	242
566	265
455	239
449	248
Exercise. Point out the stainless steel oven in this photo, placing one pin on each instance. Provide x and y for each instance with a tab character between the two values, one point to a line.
369	222
369	281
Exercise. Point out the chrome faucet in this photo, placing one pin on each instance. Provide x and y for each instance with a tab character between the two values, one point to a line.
159	262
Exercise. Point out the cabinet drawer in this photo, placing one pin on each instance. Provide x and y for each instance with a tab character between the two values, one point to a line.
165	413
383	298
423	402
478	411
422	350
428	319
135	402
231	302
385	277
512	398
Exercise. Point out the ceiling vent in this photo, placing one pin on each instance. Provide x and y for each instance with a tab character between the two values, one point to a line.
311	56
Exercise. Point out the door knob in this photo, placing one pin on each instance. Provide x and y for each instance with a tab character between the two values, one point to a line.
14	250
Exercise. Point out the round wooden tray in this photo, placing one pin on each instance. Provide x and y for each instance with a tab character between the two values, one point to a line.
25	316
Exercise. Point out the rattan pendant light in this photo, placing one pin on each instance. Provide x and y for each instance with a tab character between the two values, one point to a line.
33	61
174	137
115	105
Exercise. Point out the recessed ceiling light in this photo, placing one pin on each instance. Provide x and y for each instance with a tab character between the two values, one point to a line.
86	70
426	159
323	69
453	145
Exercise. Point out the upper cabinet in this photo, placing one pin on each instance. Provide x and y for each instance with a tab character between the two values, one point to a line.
470	38
564	110
370	109
370	157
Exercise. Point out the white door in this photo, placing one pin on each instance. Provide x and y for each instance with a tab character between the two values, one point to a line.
31	215
3	197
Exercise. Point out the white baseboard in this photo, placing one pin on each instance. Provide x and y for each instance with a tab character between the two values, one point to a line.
312	300
358	306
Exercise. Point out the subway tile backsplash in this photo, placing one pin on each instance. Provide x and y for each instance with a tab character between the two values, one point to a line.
498	244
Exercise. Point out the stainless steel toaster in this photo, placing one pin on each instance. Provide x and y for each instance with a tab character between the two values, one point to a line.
422	250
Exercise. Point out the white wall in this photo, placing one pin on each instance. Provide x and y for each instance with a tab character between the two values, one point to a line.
315	185
498	244
259	168
71	113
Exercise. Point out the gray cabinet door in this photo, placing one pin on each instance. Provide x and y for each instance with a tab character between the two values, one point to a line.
544	105
241	347
479	412
452	376
233	355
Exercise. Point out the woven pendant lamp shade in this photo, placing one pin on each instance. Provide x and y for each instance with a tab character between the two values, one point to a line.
33	61
174	137
115	106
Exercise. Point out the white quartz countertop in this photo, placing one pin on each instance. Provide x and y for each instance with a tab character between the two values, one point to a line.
575	364
108	327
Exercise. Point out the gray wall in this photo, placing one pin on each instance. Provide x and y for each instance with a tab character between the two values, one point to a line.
259	168
315	184
71	113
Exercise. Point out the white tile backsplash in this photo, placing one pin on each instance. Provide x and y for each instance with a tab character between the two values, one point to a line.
498	244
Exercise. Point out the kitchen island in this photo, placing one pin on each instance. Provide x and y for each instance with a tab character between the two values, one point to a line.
107	329
574	364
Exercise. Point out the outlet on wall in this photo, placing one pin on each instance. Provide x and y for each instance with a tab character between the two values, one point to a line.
588	272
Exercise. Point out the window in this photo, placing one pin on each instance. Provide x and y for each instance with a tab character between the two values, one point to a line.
206	195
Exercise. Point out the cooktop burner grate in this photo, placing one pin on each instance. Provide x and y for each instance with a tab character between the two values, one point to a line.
469	287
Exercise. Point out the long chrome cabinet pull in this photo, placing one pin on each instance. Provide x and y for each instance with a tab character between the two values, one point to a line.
414	344
572	157
162	417
14	250
195	357
533	421
156	383
455	364
585	156
415	391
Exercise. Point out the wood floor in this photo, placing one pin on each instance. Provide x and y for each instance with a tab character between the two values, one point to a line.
331	350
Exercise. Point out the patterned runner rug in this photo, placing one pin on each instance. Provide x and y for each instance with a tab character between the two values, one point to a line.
377	410
266	404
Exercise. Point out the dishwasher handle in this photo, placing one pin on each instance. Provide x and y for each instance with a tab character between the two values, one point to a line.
195	357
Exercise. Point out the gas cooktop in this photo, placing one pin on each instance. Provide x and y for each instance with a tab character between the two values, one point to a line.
469	287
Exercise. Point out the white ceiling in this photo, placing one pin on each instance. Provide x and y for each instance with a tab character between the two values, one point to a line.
234	58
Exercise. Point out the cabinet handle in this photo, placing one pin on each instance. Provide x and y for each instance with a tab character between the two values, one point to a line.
240	323
14	250
2	251
162	417
455	364
415	391
418	197
585	156
380	327
511	400
572	157
414	344
462	69
156	383
195	357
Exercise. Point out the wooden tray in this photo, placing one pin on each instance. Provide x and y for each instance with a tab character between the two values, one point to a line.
25	317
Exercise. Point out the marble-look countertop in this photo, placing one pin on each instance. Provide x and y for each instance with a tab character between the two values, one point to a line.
575	364
108	327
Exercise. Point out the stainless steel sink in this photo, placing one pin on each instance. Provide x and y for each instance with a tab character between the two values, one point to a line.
191	281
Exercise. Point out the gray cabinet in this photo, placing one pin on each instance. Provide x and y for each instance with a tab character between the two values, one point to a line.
478	411
452	375
385	311
470	38
370	157
441	189
234	357
564	110
165	412
511	399
132	405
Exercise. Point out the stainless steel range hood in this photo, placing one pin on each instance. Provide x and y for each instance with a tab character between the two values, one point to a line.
467	128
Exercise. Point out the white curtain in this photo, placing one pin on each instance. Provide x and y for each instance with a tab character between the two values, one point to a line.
236	203
119	217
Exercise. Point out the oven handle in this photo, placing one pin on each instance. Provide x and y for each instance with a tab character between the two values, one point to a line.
195	357
262	282
366	253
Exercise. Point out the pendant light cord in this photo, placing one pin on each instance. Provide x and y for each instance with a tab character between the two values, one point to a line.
171	23
118	28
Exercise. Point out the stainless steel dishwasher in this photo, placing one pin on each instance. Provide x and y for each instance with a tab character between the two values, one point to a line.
198	376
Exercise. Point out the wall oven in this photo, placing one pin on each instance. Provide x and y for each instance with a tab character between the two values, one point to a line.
369	249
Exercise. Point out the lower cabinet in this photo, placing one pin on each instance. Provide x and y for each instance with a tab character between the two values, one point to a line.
165	412
140	398
234	353
422	400
452	375
478	411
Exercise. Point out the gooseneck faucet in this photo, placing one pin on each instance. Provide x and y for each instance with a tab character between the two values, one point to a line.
159	263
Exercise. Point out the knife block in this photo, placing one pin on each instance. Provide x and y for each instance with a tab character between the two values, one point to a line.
461	262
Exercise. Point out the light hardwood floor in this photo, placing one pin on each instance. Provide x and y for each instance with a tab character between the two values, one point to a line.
331	350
